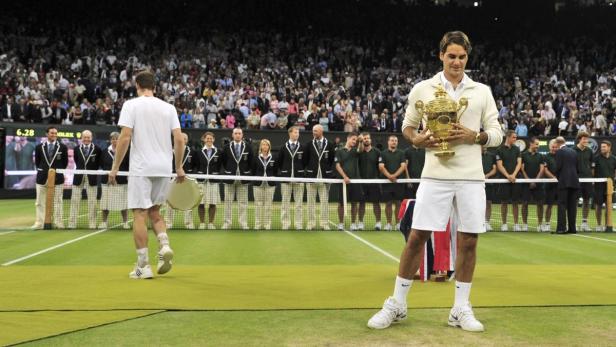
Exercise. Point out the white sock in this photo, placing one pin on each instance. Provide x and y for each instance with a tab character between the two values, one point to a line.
463	292
163	239
401	290
142	257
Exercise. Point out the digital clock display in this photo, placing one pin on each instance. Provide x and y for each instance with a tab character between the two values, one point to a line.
28	132
24	132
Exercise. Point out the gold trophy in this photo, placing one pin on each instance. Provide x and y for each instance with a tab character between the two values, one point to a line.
439	115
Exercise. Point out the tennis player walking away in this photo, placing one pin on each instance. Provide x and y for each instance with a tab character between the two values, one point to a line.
450	184
146	123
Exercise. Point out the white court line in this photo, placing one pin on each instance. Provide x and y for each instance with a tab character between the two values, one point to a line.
595	238
369	244
7	232
14	261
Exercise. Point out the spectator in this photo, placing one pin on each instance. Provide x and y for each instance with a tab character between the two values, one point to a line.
268	121
230	121
254	119
312	117
198	116
613	127
186	120
324	121
304	70
600	124
350	122
301	121
562	127
45	113
521	130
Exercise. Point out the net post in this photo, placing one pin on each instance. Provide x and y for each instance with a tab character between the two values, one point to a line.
344	200
49	198
608	205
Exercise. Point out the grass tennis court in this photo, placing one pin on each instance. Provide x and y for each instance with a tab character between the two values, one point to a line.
275	288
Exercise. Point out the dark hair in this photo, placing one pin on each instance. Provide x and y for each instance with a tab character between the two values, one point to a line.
509	133
455	37
352	133
208	133
49	128
533	139
145	80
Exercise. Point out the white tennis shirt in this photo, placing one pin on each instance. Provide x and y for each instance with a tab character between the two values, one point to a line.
152	121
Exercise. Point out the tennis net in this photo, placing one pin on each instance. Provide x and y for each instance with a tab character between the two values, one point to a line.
281	203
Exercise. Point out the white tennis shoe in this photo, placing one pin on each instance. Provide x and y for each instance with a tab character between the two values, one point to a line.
141	273
463	317
392	312
165	257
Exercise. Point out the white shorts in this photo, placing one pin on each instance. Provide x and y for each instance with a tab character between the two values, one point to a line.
211	193
114	197
437	200
145	192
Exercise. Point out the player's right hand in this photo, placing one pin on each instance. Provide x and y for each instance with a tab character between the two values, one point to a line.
181	175
425	139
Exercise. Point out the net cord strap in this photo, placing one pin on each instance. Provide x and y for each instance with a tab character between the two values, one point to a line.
316	180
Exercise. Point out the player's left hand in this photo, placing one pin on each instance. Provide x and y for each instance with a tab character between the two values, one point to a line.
112	177
461	134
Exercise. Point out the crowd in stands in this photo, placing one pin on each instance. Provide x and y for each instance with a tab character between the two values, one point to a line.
254	76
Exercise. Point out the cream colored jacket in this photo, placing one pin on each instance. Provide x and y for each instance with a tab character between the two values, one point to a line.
465	165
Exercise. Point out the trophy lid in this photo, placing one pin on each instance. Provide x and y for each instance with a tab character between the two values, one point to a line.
442	102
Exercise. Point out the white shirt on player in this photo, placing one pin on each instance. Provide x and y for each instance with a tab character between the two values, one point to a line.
152	121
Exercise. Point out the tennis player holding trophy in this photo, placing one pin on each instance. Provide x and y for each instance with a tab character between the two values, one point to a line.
460	117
